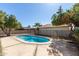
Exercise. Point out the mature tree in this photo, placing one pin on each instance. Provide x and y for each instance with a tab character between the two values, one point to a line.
37	25
28	26
76	16
2	21
8	23
11	23
76	7
70	16
57	19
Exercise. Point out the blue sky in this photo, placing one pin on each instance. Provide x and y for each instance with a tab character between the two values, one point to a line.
28	14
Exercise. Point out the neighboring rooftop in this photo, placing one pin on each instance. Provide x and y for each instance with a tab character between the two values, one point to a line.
50	25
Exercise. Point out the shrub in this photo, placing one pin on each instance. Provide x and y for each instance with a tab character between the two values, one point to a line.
76	32
76	35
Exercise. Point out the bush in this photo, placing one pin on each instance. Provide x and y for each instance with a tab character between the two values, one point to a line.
76	35
76	32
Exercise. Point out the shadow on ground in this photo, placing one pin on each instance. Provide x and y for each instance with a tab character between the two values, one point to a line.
66	47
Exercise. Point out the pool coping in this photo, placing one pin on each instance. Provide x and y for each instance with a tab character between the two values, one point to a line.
26	42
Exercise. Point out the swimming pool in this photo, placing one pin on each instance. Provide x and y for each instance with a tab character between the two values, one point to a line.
30	38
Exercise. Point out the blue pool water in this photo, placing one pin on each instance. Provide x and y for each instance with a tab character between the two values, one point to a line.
31	38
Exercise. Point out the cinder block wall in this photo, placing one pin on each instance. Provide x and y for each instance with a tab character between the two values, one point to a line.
50	31
55	31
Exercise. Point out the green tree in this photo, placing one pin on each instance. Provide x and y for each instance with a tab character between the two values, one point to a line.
76	7
28	26
2	21
54	19
37	25
57	19
70	16
8	23
76	15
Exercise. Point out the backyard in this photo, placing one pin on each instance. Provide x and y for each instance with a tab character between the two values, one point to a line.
60	37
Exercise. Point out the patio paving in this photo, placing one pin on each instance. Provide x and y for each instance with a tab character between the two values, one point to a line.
42	50
13	47
19	50
8	41
67	49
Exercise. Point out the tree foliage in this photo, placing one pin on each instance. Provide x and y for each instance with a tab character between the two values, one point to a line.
58	17
37	25
66	17
8	23
28	26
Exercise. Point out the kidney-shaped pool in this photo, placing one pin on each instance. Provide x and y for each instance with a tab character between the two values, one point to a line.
30	38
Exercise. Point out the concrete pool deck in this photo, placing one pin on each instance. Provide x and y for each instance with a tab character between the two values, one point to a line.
12	47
